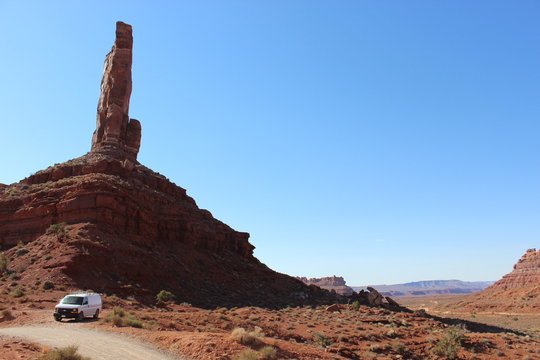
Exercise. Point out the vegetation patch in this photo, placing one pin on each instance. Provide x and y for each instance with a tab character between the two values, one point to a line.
121	318
4	262
57	229
165	296
67	353
448	347
322	339
253	338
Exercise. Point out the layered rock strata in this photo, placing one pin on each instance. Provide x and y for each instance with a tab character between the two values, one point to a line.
116	133
526	273
106	222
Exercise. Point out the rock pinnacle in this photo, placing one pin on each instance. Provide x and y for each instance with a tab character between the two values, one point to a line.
117	134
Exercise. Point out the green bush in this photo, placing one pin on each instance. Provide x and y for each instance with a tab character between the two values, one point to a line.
448	347
67	353
355	305
48	285
165	296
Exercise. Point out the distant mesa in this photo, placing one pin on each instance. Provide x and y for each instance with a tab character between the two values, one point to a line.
430	287
331	283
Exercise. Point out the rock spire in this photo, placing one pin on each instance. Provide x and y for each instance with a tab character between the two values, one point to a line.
116	133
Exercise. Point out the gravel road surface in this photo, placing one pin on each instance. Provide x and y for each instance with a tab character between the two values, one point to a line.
98	345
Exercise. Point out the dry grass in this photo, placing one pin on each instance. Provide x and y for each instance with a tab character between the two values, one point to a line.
241	336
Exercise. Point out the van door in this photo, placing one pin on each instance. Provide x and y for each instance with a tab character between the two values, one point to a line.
84	307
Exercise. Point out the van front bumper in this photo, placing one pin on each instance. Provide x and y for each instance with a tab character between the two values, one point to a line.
66	313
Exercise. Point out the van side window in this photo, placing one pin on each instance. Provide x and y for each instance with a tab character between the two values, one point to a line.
85	301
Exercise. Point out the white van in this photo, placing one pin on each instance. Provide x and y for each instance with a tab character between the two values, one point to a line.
78	306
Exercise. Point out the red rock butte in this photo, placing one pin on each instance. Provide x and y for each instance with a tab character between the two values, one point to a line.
517	291
138	232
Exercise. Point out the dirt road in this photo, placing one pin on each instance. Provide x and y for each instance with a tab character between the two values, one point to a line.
98	345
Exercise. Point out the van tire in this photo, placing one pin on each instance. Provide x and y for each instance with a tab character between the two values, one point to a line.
58	318
80	317
96	315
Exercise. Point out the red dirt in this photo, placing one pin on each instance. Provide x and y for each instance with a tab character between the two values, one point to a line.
296	332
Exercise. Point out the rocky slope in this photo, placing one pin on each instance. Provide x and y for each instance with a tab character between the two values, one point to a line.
335	283
518	291
104	221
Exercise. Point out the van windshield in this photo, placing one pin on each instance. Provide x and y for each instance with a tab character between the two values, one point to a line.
72	300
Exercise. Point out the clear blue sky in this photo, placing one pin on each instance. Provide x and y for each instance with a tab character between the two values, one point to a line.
384	141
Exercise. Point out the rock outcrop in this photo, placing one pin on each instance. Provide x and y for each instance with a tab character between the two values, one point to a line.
103	221
330	283
526	273
517	291
116	133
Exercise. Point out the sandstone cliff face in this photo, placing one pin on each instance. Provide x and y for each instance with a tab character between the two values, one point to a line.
518	291
526	273
103	221
335	283
116	133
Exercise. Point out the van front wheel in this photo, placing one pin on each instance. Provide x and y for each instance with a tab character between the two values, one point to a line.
80	317
96	315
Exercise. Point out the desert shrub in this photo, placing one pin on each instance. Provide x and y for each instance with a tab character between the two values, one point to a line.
399	348
322	339
67	353
132	321
247	355
355	305
21	252
47	285
448	347
268	353
165	296
18	292
118	311
4	262
244	337
120	318
57	229
6	314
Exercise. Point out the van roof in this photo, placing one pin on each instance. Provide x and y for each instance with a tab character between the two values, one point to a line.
83	293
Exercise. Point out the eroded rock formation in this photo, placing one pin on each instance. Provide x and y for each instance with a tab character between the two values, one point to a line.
517	291
103	221
526	273
335	283
116	133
